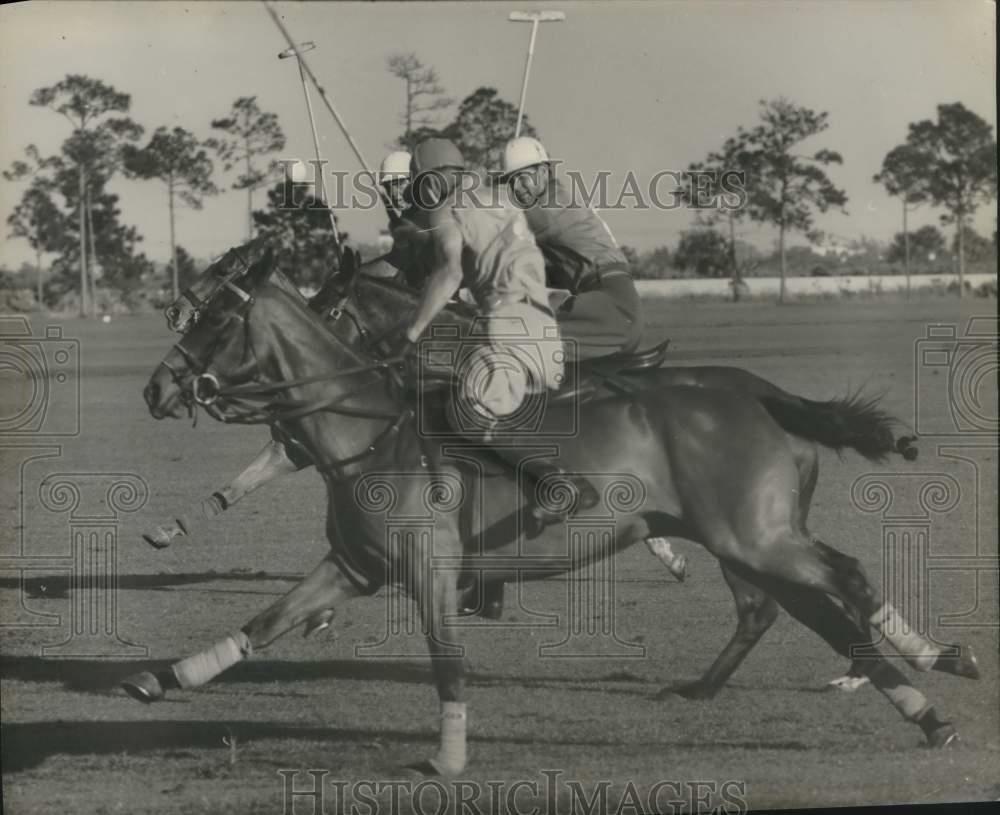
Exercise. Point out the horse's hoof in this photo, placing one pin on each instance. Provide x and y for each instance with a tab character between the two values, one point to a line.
964	664
689	690
967	664
422	769
160	539
144	687
491	610
679	568
848	683
318	623
431	768
944	736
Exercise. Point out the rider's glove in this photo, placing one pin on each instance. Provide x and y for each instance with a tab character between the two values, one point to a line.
403	352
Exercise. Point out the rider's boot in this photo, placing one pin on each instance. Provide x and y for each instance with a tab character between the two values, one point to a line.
558	494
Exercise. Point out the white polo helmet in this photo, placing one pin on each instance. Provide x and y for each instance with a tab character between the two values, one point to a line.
395	165
522	152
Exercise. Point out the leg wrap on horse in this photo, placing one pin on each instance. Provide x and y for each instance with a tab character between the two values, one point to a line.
451	755
198	669
215	504
910	702
913	647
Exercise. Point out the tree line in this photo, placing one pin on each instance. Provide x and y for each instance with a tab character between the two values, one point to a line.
948	162
67	210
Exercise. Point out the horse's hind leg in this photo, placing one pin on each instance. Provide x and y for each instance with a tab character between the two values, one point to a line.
787	556
756	612
807	461
271	462
321	589
834	624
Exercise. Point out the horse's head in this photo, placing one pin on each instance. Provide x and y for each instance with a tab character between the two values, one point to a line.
215	348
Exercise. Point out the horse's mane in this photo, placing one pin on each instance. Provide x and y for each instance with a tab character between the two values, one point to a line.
281	282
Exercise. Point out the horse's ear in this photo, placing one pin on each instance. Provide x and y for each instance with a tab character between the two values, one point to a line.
350	262
262	269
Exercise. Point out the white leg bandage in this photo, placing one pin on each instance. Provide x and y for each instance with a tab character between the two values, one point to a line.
198	669
916	650
451	756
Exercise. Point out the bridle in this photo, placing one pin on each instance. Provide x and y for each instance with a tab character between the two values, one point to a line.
205	388
199	306
339	310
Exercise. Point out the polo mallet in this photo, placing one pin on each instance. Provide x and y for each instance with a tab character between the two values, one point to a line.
533	17
307	71
320	183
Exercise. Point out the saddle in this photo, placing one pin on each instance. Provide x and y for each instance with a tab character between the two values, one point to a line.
624	362
586	379
591	375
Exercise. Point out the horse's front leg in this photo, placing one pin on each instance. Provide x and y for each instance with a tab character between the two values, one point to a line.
323	588
436	596
271	462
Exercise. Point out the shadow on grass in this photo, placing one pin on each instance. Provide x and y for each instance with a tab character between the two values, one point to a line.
56	586
27	744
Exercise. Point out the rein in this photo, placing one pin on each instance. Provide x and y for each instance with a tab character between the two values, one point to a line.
295	408
262	401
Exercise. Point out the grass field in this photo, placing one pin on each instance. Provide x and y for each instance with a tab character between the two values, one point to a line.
73	742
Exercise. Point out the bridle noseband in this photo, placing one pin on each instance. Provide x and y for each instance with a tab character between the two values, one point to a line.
205	388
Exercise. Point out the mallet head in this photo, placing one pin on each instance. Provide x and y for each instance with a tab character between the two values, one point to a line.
540	16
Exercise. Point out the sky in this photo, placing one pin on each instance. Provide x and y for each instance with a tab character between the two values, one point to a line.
618	87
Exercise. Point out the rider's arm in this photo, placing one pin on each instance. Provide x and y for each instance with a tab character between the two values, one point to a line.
443	282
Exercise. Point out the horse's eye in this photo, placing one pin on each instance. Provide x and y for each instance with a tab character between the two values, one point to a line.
173	314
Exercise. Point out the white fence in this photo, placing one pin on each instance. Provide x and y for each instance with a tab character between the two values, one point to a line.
766	286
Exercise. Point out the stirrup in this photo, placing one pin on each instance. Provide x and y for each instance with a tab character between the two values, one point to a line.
584	497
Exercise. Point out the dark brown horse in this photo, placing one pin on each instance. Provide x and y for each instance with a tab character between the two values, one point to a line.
709	465
361	306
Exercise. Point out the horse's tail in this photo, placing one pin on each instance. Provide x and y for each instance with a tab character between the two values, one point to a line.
856	422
